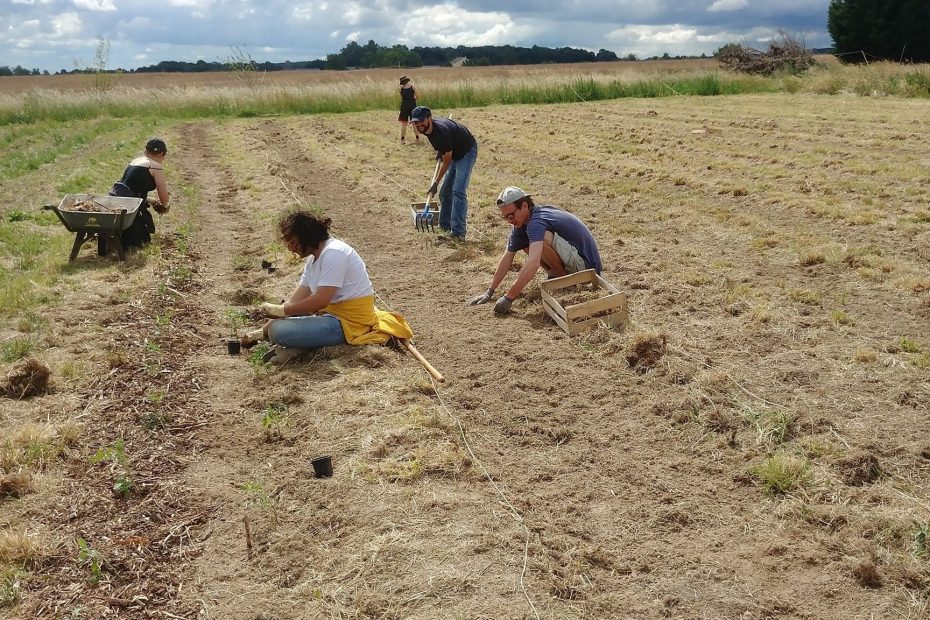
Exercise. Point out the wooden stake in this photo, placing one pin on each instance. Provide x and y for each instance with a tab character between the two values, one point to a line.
416	354
248	538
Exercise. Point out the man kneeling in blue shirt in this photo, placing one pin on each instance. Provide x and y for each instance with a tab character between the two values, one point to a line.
553	239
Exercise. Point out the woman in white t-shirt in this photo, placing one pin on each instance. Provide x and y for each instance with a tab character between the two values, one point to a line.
334	300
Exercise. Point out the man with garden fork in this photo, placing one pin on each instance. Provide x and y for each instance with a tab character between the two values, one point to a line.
457	150
553	239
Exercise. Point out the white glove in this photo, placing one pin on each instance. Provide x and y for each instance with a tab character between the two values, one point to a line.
275	311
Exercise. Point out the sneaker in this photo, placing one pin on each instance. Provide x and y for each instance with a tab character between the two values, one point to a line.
279	356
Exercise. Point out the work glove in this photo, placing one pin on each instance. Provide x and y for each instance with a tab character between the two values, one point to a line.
275	311
503	305
252	338
483	298
432	189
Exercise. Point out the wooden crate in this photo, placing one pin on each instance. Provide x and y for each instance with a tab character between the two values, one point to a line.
576	318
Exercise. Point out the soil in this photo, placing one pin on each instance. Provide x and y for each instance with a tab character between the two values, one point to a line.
607	475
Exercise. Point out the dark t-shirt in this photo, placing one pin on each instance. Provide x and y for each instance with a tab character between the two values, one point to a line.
450	136
562	223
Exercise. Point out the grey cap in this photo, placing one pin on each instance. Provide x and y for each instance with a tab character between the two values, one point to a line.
510	194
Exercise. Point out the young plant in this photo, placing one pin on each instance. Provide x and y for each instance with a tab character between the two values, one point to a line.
92	559
235	318
256	354
116	454
273	418
922	540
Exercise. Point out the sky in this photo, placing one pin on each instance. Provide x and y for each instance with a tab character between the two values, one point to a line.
63	34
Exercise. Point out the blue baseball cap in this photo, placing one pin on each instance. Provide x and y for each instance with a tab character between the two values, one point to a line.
420	113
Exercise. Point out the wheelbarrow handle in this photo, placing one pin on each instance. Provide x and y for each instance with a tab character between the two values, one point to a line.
49	207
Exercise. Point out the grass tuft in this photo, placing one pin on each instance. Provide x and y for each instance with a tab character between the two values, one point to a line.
782	473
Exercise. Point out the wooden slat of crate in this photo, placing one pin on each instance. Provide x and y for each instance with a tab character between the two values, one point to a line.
571	319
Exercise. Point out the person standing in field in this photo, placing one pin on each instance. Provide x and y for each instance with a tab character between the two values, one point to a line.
142	175
408	101
553	239
457	149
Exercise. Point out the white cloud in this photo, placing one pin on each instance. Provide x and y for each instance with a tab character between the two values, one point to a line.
727	5
66	25
662	35
95	5
302	12
448	25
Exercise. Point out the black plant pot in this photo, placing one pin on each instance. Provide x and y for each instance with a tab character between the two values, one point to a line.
322	466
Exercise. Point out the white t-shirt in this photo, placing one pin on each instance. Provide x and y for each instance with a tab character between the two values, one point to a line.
339	265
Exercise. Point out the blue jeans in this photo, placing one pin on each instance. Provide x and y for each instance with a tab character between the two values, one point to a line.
453	196
307	332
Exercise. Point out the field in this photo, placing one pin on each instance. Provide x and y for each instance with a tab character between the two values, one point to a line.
752	444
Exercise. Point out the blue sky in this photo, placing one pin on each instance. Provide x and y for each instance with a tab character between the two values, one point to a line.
61	34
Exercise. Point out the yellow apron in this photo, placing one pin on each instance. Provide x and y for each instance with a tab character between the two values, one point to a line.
363	323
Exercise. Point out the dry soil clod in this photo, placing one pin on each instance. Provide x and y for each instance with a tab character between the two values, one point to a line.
26	379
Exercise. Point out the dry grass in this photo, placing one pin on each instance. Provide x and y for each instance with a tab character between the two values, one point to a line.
36	446
18	547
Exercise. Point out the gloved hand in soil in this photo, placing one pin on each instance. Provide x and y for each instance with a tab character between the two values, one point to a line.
503	305
432	189
157	206
274	311
483	298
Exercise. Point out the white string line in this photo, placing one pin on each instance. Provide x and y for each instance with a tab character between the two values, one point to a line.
372	166
461	428
516	513
471	452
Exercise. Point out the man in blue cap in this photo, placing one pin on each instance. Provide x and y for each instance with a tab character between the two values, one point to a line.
457	149
553	239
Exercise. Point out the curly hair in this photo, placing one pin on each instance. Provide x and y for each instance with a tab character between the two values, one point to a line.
310	230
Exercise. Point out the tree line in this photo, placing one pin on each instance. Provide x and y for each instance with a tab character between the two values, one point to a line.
865	30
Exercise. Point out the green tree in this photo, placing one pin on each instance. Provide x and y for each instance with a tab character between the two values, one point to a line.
888	30
605	56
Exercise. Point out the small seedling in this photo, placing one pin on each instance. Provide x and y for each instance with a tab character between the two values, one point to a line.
155	396
115	454
922	540
235	318
92	558
163	319
273	418
256	355
123	485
